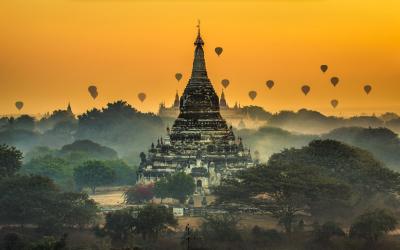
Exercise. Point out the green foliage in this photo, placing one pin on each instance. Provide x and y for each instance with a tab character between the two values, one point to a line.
57	169
93	174
124	174
24	122
326	179
10	161
152	219
269	140
148	221
326	231
120	126
120	224
382	142
283	190
161	189
178	186
91	149
56	118
256	112
352	166
221	228
24	199
139	193
75	209
38	152
36	200
372	225
60	168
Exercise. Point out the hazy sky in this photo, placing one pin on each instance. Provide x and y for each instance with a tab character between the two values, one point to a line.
51	50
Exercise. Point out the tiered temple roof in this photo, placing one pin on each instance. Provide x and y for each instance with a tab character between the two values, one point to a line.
200	142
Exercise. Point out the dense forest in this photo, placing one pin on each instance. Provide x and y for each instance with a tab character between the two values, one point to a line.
334	188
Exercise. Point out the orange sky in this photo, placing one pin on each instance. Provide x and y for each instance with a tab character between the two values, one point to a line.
51	50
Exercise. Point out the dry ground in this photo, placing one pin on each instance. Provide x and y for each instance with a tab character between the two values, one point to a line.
114	199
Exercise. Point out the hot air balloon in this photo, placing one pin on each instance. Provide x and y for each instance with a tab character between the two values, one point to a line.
270	84
367	88
178	76
142	96
305	89
19	105
324	68
225	83
334	81
93	91
334	103
219	50
252	94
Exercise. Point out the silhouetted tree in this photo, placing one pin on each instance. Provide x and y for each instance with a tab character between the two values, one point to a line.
152	219
120	224
36	200
161	189
10	160
372	225
93	174
57	169
178	186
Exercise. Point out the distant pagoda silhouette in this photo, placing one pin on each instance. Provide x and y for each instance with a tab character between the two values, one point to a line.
200	142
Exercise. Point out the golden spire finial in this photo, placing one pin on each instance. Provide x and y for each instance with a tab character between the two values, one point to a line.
198	26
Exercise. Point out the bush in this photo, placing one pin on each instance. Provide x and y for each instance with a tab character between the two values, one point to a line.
139	193
372	225
221	228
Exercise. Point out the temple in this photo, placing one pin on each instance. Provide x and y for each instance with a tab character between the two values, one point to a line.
200	142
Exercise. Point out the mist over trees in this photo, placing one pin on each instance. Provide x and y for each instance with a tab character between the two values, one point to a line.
327	179
118	126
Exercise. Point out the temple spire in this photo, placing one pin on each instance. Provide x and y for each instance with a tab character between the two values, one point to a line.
176	102
199	41
222	101
199	64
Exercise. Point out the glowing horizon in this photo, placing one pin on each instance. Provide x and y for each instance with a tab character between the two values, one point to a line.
53	50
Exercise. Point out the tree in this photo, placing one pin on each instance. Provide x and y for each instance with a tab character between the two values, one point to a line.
180	186
372	224
120	224
38	152
10	160
36	200
366	177
349	164
23	199
124	174
93	150
161	189
139	193
220	228
76	209
326	231
24	122
283	190
57	169
152	219
93	174
119	126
